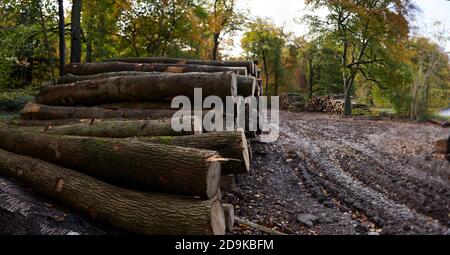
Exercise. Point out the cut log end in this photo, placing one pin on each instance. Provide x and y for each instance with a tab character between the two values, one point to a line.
218	218
213	178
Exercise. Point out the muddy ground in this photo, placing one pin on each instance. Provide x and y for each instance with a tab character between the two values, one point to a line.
326	175
333	175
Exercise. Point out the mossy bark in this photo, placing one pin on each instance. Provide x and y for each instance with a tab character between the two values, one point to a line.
137	212
231	145
149	88
249	65
33	111
119	129
133	164
98	68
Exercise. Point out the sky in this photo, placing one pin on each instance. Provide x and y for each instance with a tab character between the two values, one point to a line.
284	13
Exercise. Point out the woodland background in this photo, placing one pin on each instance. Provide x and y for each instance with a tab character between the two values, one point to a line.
365	49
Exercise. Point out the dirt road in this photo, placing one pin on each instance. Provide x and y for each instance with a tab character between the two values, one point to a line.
331	175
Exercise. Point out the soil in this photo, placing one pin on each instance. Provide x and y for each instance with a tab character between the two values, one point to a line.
326	175
353	175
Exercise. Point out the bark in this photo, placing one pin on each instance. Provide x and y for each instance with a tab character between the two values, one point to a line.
246	86
98	68
130	163
154	88
75	43
46	40
137	212
46	123
33	111
229	217
249	65
70	78
120	129
24	213
231	145
62	38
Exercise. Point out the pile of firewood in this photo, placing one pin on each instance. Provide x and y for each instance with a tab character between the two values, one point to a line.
325	104
100	140
292	102
443	147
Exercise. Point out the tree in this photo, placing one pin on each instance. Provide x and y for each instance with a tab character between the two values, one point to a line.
431	77
319	61
75	43
364	30
62	37
223	19
265	41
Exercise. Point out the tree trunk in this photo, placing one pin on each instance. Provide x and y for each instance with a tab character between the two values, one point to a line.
348	84
134	164
75	43
33	111
153	88
229	217
249	65
142	213
232	145
62	38
47	42
215	46
97	68
120	129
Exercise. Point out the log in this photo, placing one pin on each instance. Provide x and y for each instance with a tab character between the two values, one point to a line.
443	124
25	213
149	88
98	68
33	111
227	182
258	227
442	146
48	123
249	65
121	129
231	145
229	217
137	212
71	78
246	86
132	164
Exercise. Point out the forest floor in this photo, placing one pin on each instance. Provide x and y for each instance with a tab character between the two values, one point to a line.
333	175
325	175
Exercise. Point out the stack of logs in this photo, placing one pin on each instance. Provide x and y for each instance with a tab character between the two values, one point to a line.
325	104
292	102
443	147
100	140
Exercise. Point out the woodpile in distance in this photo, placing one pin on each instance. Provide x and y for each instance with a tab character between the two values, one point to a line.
325	104
292	102
100	140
